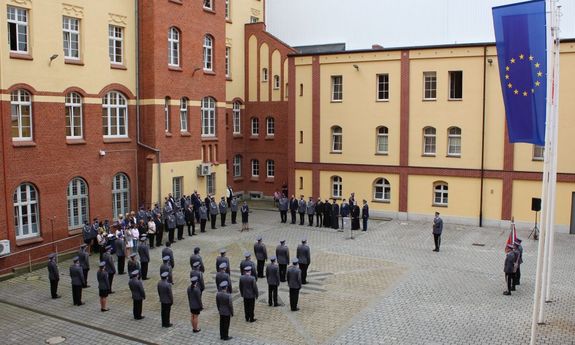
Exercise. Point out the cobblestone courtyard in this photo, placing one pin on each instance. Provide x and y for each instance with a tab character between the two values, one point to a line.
386	286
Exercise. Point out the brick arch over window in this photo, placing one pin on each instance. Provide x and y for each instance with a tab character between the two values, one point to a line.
22	86
77	90
116	87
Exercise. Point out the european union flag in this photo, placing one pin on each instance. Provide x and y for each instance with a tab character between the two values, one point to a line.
520	36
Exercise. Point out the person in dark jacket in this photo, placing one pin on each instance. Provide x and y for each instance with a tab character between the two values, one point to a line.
437	230
138	294
144	253
282	254
301	208
245	210
213	213
203	216
225	307
84	263
103	285
344	213
365	215
249	292
234	209
327	211
508	268
195	303
53	275
223	209
190	220
197	258
261	254
355	213
335	215
180	222
273	279
171	222
319	213
293	206
223	276
294	283
165	267
121	253
310	210
283	207
519	252
159	228
110	267
304	259
223	258
169	252
77	279
133	264
166	299
195	272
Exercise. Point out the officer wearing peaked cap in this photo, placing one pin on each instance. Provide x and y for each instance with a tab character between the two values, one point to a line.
246	262
249	291
144	252
197	258
198	275
166	299
273	278
133	264
261	256
165	267
53	275
304	257
110	266
282	254
169	252
84	262
294	283
222	276
138	294
225	307
77	280
223	258
195	302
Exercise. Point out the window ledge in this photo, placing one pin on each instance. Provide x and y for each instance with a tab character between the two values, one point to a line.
74	62
28	241
177	2
73	232
118	66
254	137
185	134
537	159
455	99
175	68
117	140
453	156
25	143
382	154
337	101
382	100
75	141
209	139
238	178
264	80
429	99
229	78
439	205
381	201
276	88
336	198
21	56
270	180
209	72
270	137
428	155
229	21
209	10
238	135
335	152
168	134
255	178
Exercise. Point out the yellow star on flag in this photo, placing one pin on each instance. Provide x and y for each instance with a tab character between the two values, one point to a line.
507	76
507	68
510	85
539	74
537	65
524	93
537	83
512	60
530	58
521	57
516	91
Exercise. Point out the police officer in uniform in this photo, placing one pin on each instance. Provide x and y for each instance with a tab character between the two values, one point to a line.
121	253
293	206
273	278
198	274
246	262
249	291
319	213
197	258
301	207
508	268
365	215
169	252
84	263
234	209
190	220
104	286
195	302
180	222
144	252
519	254
213	213
171	222
203	215
133	264
166	299
222	276
283	208
225	307
110	267
165	267
294	283
223	208
335	215
53	275
282	254
304	259
138	294
223	258
261	256
310	209
77	279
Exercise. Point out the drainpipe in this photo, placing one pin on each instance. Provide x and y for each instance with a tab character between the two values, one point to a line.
483	139
140	143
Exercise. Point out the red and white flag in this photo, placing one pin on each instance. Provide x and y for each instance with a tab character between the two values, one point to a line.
512	235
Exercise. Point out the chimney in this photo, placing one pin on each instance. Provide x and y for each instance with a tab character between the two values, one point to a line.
376	46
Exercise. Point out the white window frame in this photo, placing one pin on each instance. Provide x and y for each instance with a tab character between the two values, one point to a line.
173	47
211	184
167	121
382	140
71	37
184	114
429	141
336	187
209	5
336	139
382	91
237	118
255	125
116	44
208	53
237	166
20	101
17	18
228	62
208	120
26	224
270	168
452	86
336	88
177	187
429	86
227	10
255	168
78	203
265	75
120	194
74	117
270	126
454	142
114	113
538	153
382	190
254	19
276	82
440	194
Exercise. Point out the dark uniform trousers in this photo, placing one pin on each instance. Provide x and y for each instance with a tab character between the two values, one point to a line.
234	216
171	235
85	277
224	326
509	279
121	264
303	268
202	225
111	279
293	298
319	220
159	235
191	228
166	308
283	271
77	294
283	216
138	309
249	306
180	232
292	216
151	237
272	294
144	267
517	276
310	218
223	219
301	218
213	220
437	239
261	264
54	288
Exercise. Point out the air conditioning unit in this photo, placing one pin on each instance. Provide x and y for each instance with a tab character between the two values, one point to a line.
4	247
204	169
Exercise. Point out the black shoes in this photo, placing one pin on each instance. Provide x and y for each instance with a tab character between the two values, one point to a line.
139	318
227	338
507	293
196	330
168	325
56	297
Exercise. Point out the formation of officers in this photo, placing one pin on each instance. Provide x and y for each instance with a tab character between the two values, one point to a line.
275	272
326	214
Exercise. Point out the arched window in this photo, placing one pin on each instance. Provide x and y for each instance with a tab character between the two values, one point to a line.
73	116
208	117
270	126
237	117
26	211
174	47
120	194
454	141
429	141
382	190
115	115
77	203
270	168
264	74
382	146
21	115
336	139
336	187
255	126
167	114
237	166
208	53
276	82
440	193
255	168
183	114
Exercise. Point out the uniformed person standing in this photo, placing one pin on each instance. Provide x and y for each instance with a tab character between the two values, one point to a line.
355	213
169	252
261	253
195	303
519	253
198	274
104	286
222	276
273	278
365	215
304	259
319	213
282	254
171	221
225	307
138	294
246	262
223	209
197	258
293	206
327	209
437	230
335	215
283	208
213	212
133	264
223	258
165	267
508	268
234	209
294	283
166	299
180	222
344	213
190	220
310	210
249	291
84	263
53	275
77	279
203	214
121	253
301	208
144	252
110	267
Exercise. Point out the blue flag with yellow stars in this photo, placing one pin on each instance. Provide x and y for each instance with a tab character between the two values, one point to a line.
520	37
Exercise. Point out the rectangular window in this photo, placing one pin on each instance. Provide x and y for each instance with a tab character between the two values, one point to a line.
538	153
336	88
301	137
237	166
455	84
255	168
383	87
271	168
227	10
184	115
429	85
18	29
228	62
236	118
211	184
177	187
254	19
71	32
116	44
